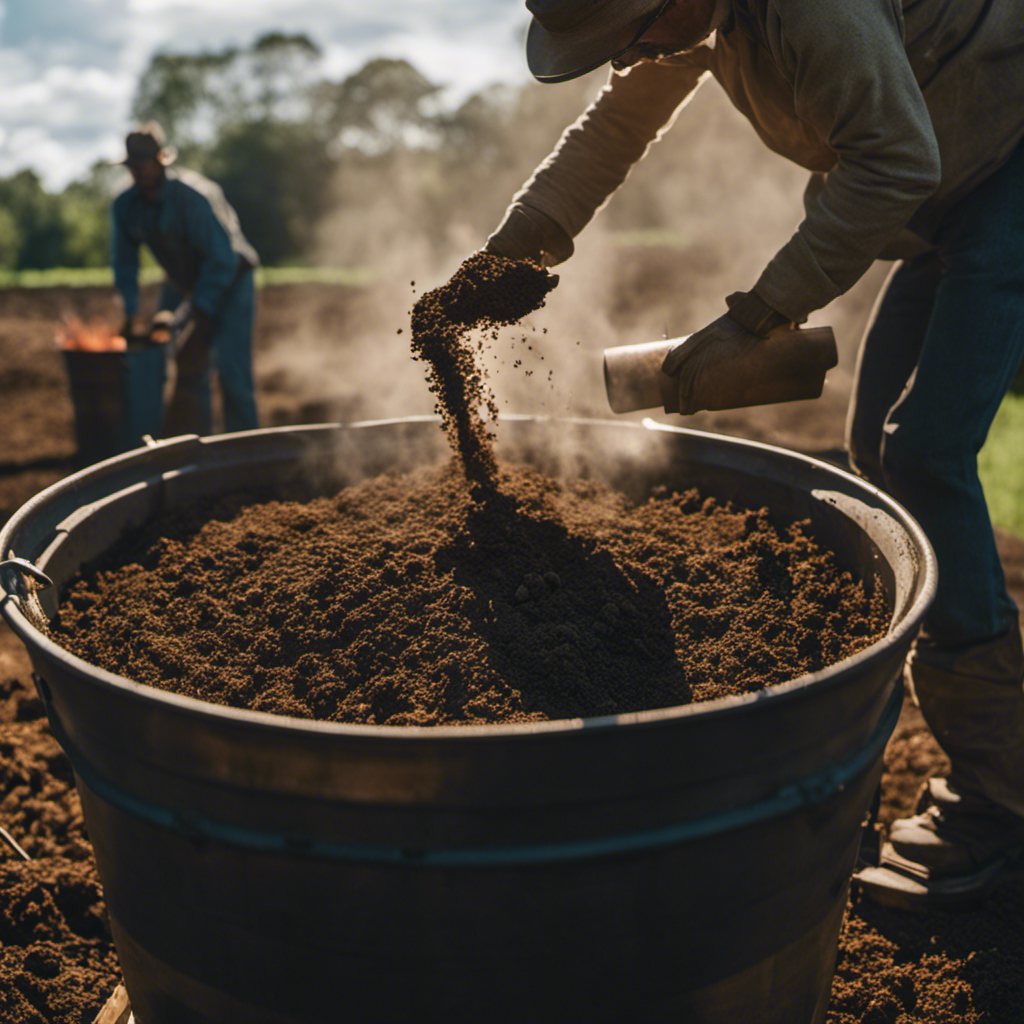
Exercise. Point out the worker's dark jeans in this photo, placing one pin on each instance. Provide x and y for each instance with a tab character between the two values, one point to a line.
230	355
946	339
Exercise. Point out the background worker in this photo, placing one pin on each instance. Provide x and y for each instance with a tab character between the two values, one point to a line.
911	119
208	298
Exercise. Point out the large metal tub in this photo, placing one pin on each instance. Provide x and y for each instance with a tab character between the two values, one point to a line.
684	864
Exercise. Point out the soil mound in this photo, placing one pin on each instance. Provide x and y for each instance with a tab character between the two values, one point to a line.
403	600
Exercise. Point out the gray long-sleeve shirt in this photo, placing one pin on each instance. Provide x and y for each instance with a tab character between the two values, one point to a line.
904	108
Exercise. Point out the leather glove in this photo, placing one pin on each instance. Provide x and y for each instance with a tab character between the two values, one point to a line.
733	339
728	366
162	330
168	324
528	234
722	341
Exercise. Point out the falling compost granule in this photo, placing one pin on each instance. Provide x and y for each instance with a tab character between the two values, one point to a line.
485	292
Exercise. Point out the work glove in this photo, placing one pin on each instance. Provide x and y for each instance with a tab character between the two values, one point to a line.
729	347
528	234
164	329
168	324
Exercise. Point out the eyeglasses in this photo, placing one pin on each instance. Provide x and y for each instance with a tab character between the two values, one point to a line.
651	50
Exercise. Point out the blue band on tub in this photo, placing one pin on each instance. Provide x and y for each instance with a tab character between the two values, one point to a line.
814	789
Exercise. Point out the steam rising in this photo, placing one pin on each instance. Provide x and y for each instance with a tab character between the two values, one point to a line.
728	205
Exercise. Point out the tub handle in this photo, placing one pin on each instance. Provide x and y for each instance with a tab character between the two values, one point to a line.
15	574
25	568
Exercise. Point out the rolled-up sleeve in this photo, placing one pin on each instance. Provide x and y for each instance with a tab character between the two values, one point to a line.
218	261
124	258
854	85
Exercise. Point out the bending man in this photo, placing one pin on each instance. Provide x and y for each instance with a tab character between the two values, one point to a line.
909	117
208	298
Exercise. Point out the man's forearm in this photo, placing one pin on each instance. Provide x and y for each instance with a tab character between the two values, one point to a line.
596	153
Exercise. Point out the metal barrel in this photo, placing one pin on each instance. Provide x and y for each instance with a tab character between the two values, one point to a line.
118	398
687	864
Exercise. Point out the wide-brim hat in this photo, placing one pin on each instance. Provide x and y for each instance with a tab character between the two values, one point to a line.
568	38
148	143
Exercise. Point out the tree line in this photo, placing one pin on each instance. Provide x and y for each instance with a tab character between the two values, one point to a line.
318	170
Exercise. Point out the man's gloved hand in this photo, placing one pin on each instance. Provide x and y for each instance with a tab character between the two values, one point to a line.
168	324
163	329
528	234
722	341
729	346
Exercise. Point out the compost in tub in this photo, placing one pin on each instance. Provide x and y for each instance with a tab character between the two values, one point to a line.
684	862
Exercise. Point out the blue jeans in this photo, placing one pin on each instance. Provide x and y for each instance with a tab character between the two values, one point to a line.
946	340
230	355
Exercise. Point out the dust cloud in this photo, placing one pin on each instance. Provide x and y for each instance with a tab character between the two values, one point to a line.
698	218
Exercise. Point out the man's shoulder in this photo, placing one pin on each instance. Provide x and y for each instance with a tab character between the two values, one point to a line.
189	184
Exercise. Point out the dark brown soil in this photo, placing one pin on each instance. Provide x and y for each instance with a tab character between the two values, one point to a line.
893	968
57	963
405	601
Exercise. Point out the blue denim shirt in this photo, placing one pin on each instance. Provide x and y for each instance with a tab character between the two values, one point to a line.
193	233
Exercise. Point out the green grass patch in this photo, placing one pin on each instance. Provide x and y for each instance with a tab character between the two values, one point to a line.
1001	466
83	277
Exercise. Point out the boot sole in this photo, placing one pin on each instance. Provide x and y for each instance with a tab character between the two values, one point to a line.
904	885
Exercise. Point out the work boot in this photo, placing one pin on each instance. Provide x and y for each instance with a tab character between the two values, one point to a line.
968	836
952	854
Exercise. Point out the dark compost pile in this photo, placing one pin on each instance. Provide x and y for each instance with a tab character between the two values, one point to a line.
57	962
404	601
475	596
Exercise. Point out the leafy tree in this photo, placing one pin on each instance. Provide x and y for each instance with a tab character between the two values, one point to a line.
195	96
10	240
85	211
277	177
384	105
37	217
281	67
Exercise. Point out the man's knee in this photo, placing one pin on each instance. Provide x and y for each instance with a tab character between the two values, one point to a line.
911	457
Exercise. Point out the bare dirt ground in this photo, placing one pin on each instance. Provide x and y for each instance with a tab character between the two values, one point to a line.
325	353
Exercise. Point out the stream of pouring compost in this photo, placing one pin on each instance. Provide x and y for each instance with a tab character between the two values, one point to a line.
485	293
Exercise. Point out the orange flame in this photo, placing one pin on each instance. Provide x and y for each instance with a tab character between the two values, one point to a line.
74	334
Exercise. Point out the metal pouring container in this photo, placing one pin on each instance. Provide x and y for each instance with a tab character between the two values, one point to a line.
787	366
687	864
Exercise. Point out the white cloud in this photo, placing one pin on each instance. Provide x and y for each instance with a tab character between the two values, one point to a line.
68	68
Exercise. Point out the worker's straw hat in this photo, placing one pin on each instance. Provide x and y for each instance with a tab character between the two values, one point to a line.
148	143
568	38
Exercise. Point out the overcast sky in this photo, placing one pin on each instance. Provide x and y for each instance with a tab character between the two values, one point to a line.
68	67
